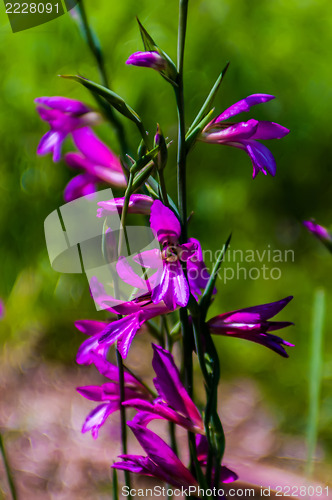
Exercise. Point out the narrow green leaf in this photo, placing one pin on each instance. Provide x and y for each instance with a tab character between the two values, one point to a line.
207	295
115	100
209	100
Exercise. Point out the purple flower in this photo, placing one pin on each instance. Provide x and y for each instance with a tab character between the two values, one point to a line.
160	462
172	286
138	204
148	59
108	394
244	135
320	232
64	116
202	450
252	324
173	402
98	163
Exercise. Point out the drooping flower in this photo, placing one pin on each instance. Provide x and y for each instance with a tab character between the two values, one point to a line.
252	324
160	462
171	284
138	204
148	59
98	163
320	232
64	116
173	402
108	394
244	135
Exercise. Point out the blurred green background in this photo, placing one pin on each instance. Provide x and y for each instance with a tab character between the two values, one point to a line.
277	47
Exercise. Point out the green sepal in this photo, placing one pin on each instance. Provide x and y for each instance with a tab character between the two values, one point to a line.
170	74
163	153
196	132
209	100
142	176
111	97
142	162
142	149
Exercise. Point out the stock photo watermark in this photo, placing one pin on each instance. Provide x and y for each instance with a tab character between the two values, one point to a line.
23	14
250	264
77	242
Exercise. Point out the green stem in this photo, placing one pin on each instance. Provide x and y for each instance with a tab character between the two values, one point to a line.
8	469
163	188
123	414
315	375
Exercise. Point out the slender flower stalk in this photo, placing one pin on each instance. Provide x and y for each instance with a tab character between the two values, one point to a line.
8	470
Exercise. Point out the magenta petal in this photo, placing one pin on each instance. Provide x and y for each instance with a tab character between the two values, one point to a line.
148	59
128	275
63	104
123	331
164	222
88	349
241	130
138	204
90	327
269	130
180	284
98	416
261	157
171	469
227	475
94	149
51	142
243	105
169	386
80	185
255	313
92	392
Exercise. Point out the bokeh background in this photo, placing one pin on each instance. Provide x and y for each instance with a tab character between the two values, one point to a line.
278	47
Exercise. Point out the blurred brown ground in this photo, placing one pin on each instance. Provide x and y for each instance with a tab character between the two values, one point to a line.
41	417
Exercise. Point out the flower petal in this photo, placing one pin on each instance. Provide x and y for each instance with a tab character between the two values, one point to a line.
243	105
63	104
269	130
164	222
94	149
78	186
98	416
169	386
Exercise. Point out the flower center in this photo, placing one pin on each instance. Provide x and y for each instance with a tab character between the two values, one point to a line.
170	253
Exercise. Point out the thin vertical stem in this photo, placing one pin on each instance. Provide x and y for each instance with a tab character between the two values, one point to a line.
123	415
8	469
315	374
181	157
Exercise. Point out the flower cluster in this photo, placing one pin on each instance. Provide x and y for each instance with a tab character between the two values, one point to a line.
174	285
